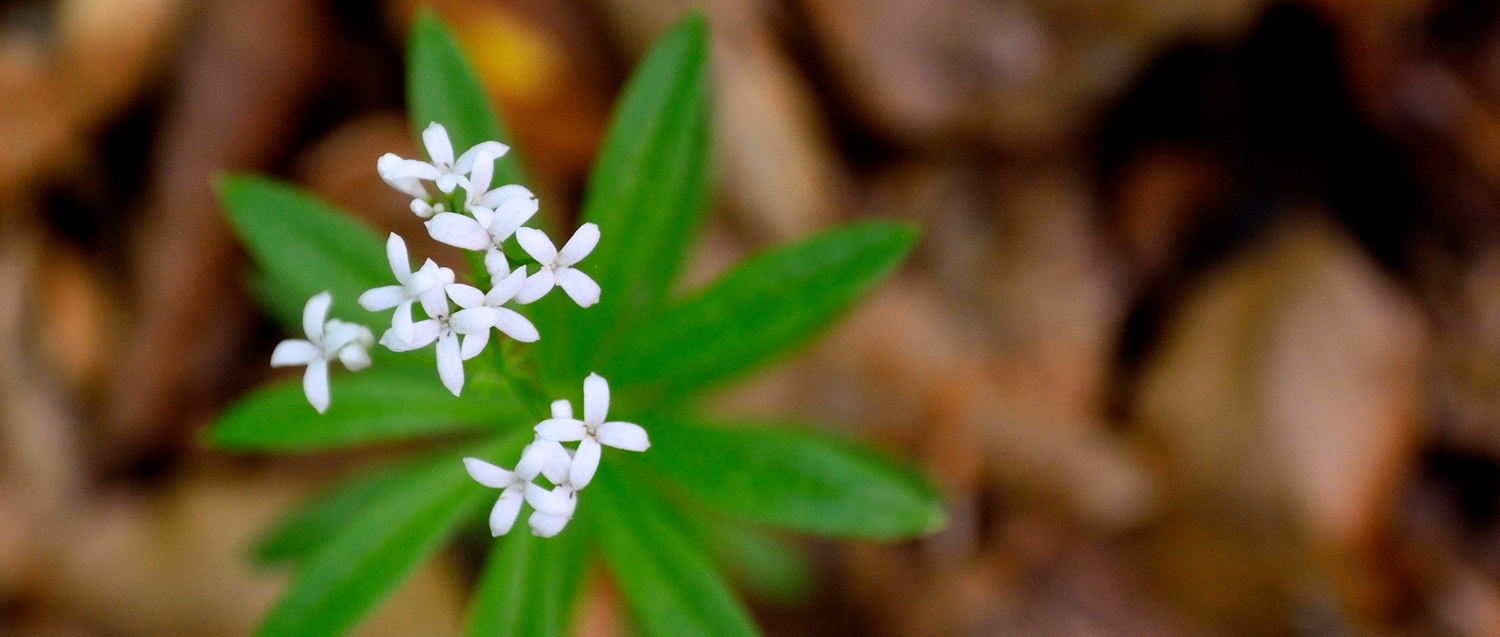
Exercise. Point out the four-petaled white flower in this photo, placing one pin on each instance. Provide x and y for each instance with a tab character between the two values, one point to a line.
326	341
557	265
592	431
545	457
482	311
425	286
407	175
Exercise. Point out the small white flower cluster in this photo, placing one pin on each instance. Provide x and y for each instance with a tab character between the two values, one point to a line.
481	220
568	470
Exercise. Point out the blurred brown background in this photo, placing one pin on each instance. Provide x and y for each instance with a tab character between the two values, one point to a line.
1202	338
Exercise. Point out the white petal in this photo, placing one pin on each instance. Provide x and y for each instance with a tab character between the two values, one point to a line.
562	409
474	343
354	357
496	264
401	323
556	460
511	215
515	326
423	333
582	289
337	334
624	435
448	181
536	244
494	198
488	474
294	352
315	384
434	301
482	215
585	462
558	501
395	253
543	525
503	516
560	429
537	286
480	172
532	459
466	296
392	166
314	313
473	321
580	245
465	161
382	298
458	231
595	399
450	364
435	138
505	289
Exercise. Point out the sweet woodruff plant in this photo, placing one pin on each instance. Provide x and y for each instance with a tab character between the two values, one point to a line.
691	509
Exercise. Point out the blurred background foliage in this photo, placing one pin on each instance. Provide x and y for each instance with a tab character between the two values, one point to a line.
1202	337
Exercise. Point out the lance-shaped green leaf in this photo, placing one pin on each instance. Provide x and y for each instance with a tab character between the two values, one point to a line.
647	192
795	478
351	573
308	527
768	304
380	404
305	245
441	87
667	578
529	584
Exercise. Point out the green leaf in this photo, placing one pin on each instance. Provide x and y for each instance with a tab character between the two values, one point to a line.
353	571
647	193
307	528
771	302
529	584
795	478
666	577
304	245
441	87
383	403
769	565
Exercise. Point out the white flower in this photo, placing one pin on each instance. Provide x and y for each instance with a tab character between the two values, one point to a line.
450	356
407	175
554	508
592	431
347	342
425	285
483	311
545	457
557	266
491	225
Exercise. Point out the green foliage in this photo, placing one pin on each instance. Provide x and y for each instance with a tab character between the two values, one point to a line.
763	307
529	585
366	559
664	573
647	193
672	524
380	404
301	532
304	245
794	478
